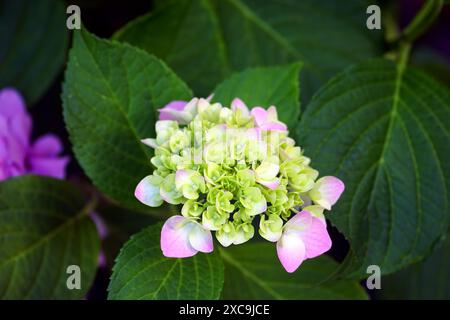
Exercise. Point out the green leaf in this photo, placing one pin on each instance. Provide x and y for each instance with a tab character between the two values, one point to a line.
44	228
252	271
204	40
432	62
110	95
125	221
265	87
384	130
122	223
429	279
142	272
33	46
187	36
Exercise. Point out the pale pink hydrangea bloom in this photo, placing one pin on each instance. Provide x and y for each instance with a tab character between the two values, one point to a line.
303	237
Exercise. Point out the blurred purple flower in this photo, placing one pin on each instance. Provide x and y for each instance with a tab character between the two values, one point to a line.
18	156
103	232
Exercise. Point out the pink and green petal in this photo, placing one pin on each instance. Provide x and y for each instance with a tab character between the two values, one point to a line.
291	251
272	114
259	115
175	238
147	191
317	212
273	126
267	120
172	110
238	104
182	177
260	207
327	191
150	142
273	184
201	239
299	223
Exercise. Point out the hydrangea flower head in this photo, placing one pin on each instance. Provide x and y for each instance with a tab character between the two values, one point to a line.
18	156
232	169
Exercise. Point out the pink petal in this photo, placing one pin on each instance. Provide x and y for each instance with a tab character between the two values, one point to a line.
270	184
254	134
11	103
260	115
46	166
181	176
148	193
267	119
291	251
150	142
175	105
300	222
173	111
175	238
260	207
273	126
239	104
330	189
317	212
202	104
272	114
48	145
201	239
181	117
316	239
210	97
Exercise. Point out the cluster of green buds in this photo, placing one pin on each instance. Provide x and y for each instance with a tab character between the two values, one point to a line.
226	167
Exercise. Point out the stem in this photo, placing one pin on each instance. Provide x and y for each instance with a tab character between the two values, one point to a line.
390	25
404	49
90	206
423	20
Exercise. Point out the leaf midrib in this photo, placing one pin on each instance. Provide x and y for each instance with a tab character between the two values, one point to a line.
116	99
400	69
274	34
82	213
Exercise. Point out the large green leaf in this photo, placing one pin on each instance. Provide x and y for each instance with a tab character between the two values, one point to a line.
33	45
252	271
111	93
265	87
433	63
44	228
204	40
187	36
384	130
142	272
429	279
